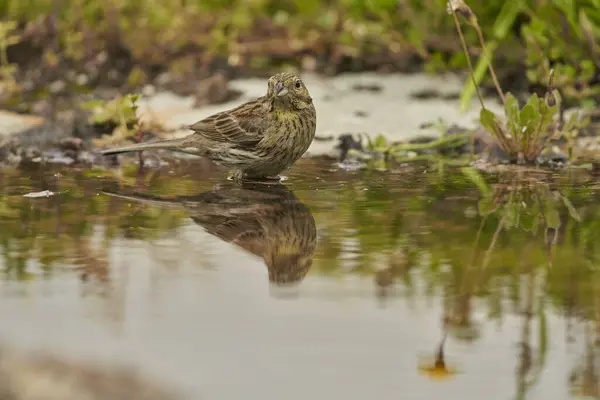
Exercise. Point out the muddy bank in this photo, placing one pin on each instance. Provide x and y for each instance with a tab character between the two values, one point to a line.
352	109
368	103
365	103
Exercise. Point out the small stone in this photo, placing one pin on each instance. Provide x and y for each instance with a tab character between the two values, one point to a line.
214	90
71	75
163	78
102	57
82	79
12	122
57	86
28	85
44	193
309	63
149	90
113	74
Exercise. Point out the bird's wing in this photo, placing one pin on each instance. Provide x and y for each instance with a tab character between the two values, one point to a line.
243	126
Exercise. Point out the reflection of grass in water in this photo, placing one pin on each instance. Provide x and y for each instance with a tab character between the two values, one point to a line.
528	239
383	226
51	230
525	224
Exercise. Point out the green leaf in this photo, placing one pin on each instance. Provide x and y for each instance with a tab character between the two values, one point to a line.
477	179
486	205
511	109
511	214
482	66
380	143
534	101
91	104
506	18
530	118
490	123
571	123
530	218
552	217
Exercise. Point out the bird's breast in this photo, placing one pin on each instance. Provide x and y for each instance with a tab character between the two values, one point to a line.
291	128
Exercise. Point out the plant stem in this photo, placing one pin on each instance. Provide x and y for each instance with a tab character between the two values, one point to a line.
447	141
466	51
492	71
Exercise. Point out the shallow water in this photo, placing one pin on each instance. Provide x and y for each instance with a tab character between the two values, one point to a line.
334	284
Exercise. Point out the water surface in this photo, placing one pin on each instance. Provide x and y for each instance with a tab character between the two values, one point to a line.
423	283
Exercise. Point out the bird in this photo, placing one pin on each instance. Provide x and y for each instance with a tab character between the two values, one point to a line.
256	140
266	220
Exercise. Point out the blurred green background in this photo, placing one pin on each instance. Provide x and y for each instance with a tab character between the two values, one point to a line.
142	38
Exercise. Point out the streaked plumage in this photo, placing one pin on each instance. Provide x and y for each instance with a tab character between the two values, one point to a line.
257	139
267	220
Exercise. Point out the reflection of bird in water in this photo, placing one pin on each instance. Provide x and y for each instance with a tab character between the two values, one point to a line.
267	220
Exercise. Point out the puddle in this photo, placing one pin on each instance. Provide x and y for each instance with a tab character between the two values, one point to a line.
333	284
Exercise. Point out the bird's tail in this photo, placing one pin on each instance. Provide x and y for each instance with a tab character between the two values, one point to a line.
171	144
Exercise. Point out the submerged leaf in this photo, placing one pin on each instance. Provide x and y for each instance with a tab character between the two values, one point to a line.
552	217
486	205
530	218
477	179
572	211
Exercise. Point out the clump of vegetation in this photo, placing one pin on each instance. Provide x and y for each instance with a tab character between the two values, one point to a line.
8	37
522	204
119	111
528	129
526	132
119	116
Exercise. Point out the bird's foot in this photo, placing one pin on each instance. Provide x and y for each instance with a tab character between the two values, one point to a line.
239	178
266	179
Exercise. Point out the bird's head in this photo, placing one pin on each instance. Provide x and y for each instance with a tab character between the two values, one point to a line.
288	92
288	269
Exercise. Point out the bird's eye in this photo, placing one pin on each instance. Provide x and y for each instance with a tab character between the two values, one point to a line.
298	84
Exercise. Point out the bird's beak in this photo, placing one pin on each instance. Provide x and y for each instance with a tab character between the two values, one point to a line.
280	90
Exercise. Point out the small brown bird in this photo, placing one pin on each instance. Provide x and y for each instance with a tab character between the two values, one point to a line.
267	220
258	139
